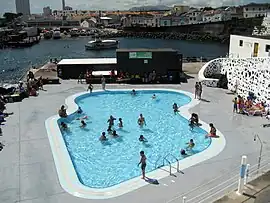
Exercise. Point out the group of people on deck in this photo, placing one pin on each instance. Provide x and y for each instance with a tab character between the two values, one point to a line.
249	106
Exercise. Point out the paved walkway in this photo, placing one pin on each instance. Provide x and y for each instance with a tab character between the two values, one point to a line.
256	191
28	173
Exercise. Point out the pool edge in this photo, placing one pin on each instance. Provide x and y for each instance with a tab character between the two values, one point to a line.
68	177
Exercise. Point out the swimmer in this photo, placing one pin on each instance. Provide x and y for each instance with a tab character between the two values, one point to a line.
109	130
175	108
141	121
114	134
103	137
154	96
120	124
183	152
79	110
133	92
83	124
142	139
64	126
190	144
111	120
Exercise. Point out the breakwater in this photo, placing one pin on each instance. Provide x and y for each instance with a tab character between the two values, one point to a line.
168	35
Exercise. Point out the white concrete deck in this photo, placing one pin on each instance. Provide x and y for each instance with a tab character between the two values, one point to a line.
28	173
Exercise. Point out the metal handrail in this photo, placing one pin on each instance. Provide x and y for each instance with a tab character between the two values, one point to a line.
157	161
169	164
177	160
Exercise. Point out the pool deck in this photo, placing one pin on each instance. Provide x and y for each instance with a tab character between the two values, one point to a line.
28	172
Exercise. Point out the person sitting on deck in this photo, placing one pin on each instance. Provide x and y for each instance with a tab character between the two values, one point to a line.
213	131
30	76
33	91
79	110
62	112
194	118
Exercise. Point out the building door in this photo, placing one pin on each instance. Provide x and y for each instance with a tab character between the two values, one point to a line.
256	49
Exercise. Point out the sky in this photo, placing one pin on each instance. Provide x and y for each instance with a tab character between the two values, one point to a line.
37	5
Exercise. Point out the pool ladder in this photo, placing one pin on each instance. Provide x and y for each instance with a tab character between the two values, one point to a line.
170	164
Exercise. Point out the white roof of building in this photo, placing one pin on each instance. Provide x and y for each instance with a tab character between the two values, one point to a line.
105	18
90	61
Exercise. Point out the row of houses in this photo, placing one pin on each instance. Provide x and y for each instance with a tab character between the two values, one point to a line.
184	15
178	15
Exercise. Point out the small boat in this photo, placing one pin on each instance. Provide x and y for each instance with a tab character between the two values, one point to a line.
98	44
74	32
56	33
47	35
83	33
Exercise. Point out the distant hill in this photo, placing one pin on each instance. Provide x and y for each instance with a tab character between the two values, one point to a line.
150	8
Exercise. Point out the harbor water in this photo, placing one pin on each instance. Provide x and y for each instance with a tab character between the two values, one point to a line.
15	62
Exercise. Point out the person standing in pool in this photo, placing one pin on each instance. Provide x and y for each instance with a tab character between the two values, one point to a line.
141	121
111	120
143	163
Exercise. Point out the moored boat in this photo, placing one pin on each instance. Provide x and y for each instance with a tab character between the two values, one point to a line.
74	32
98	44
56	33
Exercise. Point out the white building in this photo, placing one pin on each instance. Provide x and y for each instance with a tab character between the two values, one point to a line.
214	16
92	22
145	20
255	10
245	47
47	11
194	16
23	6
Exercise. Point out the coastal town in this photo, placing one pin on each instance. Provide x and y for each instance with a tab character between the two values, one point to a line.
176	22
152	104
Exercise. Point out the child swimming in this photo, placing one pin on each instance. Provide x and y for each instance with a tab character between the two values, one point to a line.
83	124
190	144
120	124
154	96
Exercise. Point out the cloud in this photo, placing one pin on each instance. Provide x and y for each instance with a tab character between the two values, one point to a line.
37	5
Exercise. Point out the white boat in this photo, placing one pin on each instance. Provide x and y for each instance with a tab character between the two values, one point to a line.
56	33
98	44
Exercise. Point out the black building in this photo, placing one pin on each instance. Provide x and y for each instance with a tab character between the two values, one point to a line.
141	61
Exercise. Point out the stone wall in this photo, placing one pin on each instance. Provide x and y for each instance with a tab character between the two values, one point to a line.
248	74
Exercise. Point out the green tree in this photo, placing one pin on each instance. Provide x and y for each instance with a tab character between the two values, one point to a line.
11	16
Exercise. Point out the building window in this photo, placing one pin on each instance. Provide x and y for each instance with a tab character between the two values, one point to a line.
246	9
260	9
246	15
253	9
240	43
267	48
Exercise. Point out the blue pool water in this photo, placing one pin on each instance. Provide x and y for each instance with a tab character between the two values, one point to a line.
101	165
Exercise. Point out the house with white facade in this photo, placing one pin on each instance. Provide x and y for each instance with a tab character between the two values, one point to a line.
194	16
245	47
213	16
255	10
141	20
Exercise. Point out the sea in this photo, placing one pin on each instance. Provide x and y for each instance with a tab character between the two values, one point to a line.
14	63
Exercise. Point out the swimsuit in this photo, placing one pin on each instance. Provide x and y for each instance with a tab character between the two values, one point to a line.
143	166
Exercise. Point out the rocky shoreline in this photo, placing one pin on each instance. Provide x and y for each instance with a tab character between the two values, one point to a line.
168	35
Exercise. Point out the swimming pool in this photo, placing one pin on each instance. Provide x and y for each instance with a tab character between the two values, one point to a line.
104	164
72	155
